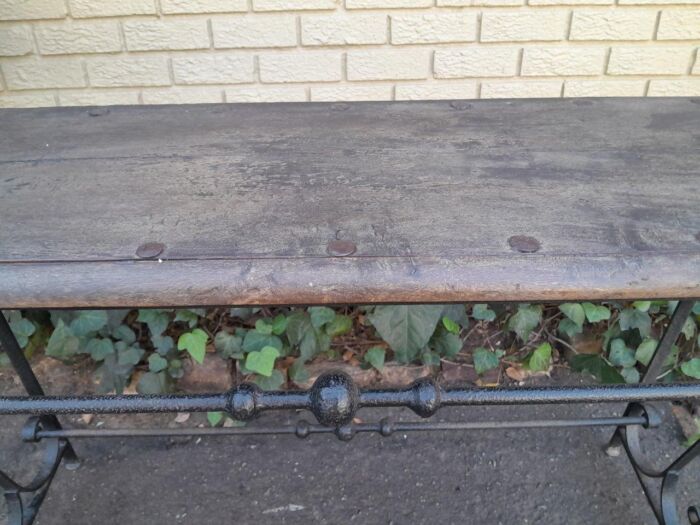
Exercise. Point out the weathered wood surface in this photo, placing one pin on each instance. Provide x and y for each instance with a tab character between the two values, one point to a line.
246	198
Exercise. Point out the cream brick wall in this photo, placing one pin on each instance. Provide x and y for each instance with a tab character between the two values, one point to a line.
97	52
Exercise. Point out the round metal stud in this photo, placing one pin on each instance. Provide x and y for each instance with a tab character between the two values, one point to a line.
302	430
334	399
460	105
386	427
524	244
340	248
150	250
345	433
242	403
426	397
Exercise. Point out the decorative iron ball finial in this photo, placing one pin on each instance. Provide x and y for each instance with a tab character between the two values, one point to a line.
334	399
243	402
426	397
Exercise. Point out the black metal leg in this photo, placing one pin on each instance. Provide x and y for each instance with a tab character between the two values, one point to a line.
57	450
666	510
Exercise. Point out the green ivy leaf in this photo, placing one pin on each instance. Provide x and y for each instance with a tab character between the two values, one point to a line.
228	345
688	329
375	357
696	308
273	382
429	358
596	313
262	362
175	369
113	376
88	321
263	327
22	329
633	318
574	312
279	324
598	367
450	325
621	354
321	315
191	317
407	328
157	363
157	320
163	344
691	368
541	358
99	348
445	343
457	313
569	328
642	306
298	372
124	333
62	344
485	360
254	341
129	356
482	312
340	325
524	321
215	418
645	351
630	374
153	383
195	342
302	333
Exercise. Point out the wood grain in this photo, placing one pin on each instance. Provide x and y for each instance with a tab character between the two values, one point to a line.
246	198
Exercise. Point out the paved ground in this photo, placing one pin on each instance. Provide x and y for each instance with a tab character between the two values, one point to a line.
485	477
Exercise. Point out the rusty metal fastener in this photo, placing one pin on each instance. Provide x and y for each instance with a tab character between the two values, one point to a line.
339	248
150	250
524	244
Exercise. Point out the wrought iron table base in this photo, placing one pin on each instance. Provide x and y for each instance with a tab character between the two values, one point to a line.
334	400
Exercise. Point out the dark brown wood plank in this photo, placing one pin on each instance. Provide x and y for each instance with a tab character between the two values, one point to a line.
246	198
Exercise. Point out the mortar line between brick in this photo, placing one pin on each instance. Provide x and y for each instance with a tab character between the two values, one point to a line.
210	32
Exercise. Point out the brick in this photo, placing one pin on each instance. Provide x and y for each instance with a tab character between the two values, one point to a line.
333	30
78	37
604	88
620	24
476	62
443	90
293	5
152	35
649	60
532	89
97	8
386	4
202	6
657	2
388	65
562	61
679	25
255	31
524	26
32	73
34	100
570	2
15	40
213	69
100	97
31	9
182	96
312	66
433	28
350	93
674	88
128	71
266	94
484	3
